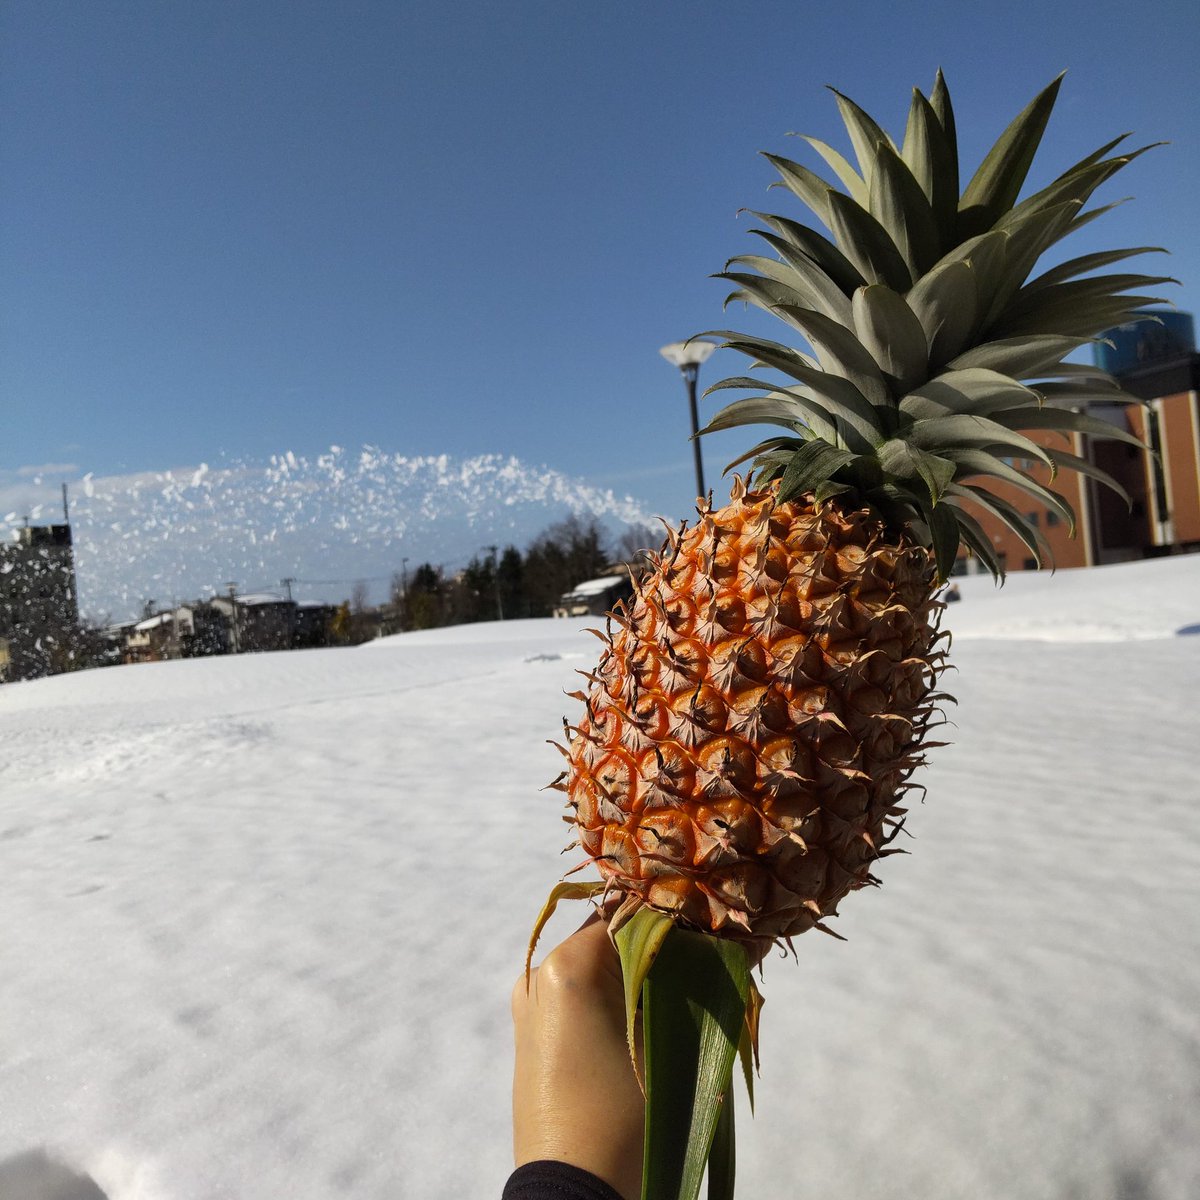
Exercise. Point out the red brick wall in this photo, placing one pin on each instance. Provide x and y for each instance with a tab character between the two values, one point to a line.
1067	551
1181	461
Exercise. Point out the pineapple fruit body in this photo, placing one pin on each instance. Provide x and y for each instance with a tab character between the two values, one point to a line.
755	716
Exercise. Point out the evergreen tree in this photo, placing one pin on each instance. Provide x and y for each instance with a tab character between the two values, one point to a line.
475	595
510	573
426	597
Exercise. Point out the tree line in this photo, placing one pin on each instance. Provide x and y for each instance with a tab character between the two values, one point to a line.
504	583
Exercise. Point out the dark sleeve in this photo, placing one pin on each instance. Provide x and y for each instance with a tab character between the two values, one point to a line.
556	1181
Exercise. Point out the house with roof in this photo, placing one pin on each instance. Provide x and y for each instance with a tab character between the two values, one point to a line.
259	621
189	631
594	597
151	639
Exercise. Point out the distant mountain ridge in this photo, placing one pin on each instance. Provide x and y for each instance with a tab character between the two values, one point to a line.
325	521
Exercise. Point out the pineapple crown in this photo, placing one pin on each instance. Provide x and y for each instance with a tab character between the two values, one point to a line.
932	352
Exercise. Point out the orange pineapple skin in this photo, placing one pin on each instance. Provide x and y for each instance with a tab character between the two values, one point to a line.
755	717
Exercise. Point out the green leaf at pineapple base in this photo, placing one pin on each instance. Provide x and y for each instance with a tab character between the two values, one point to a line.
694	1005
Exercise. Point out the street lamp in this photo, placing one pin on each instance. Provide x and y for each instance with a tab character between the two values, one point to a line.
688	356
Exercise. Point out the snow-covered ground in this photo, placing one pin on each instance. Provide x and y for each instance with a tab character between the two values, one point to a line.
259	919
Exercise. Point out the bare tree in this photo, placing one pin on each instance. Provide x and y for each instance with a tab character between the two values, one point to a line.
561	556
360	615
635	541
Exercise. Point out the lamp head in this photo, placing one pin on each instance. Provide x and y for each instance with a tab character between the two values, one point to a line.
687	354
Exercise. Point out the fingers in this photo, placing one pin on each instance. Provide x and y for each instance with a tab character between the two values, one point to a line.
586	958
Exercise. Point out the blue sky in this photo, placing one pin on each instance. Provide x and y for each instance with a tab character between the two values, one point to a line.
242	228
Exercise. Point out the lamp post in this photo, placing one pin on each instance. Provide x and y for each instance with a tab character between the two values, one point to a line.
688	356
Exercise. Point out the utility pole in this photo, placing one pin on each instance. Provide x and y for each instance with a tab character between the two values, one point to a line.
233	618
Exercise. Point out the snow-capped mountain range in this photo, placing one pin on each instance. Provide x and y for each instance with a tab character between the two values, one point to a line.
326	522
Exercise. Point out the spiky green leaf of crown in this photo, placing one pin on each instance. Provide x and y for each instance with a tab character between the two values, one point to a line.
933	353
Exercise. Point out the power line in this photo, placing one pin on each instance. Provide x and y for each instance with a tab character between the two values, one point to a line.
356	579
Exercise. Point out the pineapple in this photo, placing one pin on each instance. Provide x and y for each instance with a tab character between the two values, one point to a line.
749	734
753	721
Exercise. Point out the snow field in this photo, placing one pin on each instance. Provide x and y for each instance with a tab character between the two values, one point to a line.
262	916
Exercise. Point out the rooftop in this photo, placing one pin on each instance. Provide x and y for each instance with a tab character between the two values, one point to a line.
594	587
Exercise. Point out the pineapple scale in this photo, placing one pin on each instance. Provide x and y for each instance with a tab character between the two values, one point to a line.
755	717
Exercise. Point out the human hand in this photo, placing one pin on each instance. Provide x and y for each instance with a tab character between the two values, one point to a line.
575	1096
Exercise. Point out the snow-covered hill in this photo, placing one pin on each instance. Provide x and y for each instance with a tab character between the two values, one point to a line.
326	521
261	916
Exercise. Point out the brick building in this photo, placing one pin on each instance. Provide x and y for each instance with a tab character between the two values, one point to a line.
1170	426
1163	481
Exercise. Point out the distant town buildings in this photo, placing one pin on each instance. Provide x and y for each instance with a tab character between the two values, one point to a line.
189	631
230	624
41	633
